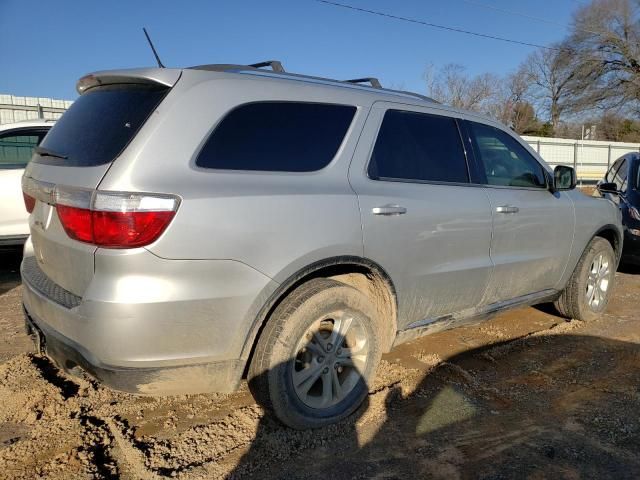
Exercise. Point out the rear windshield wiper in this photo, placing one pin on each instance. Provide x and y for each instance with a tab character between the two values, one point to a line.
43	152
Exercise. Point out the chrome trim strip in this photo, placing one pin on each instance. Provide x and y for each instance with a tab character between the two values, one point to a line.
43	191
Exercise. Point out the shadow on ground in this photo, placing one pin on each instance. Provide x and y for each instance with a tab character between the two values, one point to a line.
543	406
10	259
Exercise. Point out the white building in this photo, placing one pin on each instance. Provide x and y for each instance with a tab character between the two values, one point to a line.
16	109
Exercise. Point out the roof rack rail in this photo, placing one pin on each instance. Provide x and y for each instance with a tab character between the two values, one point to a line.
275	65
277	69
413	94
374	82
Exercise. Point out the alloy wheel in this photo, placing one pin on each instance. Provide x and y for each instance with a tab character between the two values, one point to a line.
329	360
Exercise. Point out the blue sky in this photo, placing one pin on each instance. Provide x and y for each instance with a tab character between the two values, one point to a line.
47	45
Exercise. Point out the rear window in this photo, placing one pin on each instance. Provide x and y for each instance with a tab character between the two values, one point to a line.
277	137
100	124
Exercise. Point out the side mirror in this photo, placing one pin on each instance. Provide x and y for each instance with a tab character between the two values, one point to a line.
608	187
564	178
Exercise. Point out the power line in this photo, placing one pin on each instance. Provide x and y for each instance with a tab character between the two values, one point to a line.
525	15
435	25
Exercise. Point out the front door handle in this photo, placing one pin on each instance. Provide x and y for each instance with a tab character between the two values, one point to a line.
389	210
507	209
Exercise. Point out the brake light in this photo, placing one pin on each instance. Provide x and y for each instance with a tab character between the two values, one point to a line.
114	219
76	222
29	202
128	229
29	194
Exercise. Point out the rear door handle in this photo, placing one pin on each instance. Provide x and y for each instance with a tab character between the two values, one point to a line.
389	210
507	209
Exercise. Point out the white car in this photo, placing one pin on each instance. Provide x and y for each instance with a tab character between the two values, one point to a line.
17	141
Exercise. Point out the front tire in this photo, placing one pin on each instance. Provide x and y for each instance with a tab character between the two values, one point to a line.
587	293
317	355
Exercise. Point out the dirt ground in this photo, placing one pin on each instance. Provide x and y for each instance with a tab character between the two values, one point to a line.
523	395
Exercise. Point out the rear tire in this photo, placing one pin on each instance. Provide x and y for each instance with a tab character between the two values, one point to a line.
587	293
317	355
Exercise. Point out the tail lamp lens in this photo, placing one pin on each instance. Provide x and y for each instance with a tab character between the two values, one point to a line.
28	194
29	202
114	219
128	229
76	222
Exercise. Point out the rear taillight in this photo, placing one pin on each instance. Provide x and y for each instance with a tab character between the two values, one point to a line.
76	222
114	219
29	192
29	202
128	229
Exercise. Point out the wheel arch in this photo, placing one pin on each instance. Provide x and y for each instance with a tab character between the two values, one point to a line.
608	232
359	272
612	235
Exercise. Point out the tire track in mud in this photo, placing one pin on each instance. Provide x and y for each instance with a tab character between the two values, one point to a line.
75	428
107	446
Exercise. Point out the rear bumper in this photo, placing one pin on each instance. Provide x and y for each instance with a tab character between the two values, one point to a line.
222	376
148	325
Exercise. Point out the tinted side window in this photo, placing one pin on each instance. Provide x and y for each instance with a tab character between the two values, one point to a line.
16	148
505	161
417	146
620	177
612	171
277	136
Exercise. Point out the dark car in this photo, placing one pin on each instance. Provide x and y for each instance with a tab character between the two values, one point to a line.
622	185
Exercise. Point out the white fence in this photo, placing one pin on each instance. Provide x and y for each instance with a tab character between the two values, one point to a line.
16	109
590	158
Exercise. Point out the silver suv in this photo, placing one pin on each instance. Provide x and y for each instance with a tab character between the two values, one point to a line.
191	227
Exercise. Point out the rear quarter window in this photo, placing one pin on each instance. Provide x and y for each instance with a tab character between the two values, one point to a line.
100	124
277	137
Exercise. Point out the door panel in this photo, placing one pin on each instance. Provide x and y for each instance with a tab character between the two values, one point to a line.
433	239
530	248
532	227
16	148
13	215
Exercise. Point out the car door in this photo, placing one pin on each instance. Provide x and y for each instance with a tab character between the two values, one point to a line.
422	220
16	148
532	227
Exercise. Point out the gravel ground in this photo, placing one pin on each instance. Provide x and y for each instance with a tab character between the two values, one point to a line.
525	394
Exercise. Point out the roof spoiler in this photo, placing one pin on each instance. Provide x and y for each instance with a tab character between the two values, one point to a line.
149	76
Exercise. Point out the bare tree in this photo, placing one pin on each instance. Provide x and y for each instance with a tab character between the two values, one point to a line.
559	84
451	85
612	126
606	40
505	99
511	104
